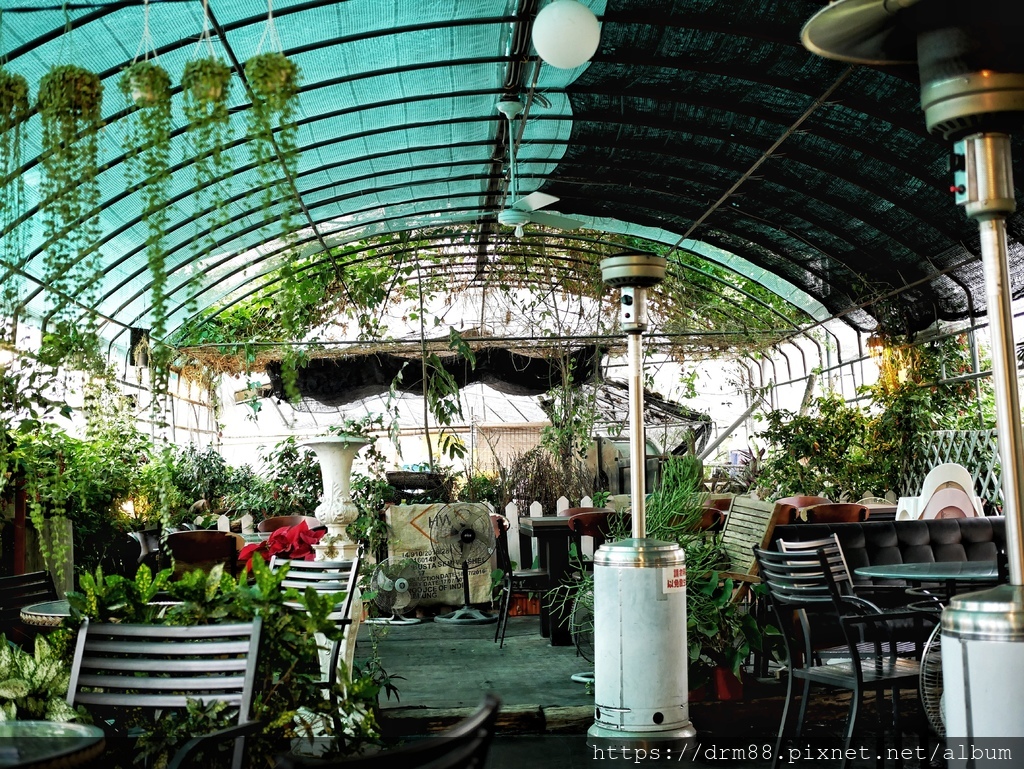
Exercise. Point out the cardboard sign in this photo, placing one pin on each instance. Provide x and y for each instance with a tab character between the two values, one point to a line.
440	585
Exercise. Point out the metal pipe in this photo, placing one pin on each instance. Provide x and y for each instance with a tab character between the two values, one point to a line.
1004	381
637	436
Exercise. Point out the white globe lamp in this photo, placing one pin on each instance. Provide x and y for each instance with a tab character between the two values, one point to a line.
566	34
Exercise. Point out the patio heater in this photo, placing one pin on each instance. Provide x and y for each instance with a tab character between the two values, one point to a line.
640	675
971	67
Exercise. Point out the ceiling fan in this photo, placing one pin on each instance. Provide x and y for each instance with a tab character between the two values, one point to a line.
525	210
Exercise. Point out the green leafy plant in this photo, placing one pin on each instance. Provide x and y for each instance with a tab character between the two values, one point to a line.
14	109
147	88
206	84
34	686
274	82
288	696
70	104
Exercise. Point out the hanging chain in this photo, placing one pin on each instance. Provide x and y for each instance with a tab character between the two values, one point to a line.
146	46
270	32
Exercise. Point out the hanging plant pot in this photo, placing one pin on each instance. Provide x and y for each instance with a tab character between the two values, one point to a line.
69	93
206	81
272	77
13	99
70	111
146	84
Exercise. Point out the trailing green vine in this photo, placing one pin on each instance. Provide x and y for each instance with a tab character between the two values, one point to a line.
147	88
70	105
14	109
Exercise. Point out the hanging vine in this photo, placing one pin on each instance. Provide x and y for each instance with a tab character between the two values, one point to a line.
70	105
14	109
147	89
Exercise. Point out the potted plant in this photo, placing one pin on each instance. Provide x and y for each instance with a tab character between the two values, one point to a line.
206	84
147	86
70	107
292	542
14	108
33	686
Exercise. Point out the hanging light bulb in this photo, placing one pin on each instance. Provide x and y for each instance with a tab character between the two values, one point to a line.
566	34
519	231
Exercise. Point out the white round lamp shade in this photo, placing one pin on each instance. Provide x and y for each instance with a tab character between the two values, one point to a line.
566	34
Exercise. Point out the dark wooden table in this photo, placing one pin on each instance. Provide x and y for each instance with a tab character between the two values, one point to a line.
553	536
39	744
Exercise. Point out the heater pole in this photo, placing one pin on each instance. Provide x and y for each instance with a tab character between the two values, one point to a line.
984	186
637	437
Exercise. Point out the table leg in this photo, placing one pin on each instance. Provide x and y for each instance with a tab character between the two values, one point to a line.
558	568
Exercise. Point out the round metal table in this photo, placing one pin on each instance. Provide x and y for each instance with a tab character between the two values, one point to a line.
41	744
46	614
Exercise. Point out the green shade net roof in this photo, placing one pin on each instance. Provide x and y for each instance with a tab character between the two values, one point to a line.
702	125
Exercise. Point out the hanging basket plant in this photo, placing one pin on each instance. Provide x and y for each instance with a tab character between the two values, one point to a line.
147	87
147	84
14	109
206	83
70	103
274	82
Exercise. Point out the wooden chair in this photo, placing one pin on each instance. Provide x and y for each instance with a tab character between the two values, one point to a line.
279	522
836	512
122	669
749	524
591	523
464	746
788	507
202	550
804	584
17	592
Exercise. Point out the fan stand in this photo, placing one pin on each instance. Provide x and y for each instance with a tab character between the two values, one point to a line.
467	615
394	619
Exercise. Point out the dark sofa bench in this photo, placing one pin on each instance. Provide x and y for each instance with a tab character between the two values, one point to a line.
885	542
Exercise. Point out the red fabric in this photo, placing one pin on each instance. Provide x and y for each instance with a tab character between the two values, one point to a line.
294	542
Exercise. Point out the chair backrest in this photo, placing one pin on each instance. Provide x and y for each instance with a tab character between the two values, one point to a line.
798	578
326	577
279	522
836	512
749	524
830	546
202	550
19	591
500	526
121	668
787	508
464	746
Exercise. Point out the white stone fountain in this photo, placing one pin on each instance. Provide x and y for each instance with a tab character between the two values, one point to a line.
336	509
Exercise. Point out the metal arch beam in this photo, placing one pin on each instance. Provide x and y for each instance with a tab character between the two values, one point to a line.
266	284
236	143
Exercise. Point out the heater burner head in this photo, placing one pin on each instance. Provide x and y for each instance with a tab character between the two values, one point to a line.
969	57
633	270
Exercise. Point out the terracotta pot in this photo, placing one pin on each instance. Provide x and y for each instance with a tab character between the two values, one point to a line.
727	686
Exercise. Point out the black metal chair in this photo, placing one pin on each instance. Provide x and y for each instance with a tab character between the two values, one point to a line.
803	589
120	670
513	581
18	592
464	746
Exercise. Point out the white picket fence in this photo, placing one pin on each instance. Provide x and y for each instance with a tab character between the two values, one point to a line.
536	510
512	513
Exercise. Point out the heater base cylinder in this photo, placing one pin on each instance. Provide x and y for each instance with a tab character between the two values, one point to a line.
640	664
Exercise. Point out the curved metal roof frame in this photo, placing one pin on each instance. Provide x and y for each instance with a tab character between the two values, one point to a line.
695	123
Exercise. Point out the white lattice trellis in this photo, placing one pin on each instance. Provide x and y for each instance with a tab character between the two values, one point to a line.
977	450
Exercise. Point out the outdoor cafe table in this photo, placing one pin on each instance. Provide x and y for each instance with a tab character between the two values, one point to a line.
553	537
40	744
947	572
